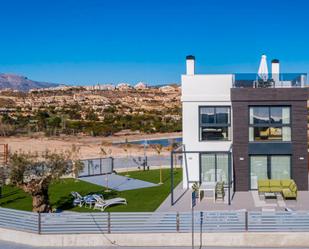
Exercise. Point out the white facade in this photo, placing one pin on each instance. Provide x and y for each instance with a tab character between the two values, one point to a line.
201	90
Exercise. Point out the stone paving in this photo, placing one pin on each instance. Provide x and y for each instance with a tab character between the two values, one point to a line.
250	201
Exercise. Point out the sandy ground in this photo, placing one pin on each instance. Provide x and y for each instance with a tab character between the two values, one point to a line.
90	147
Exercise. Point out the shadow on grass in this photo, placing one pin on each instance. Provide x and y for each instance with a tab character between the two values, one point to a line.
11	201
10	193
66	202
168	178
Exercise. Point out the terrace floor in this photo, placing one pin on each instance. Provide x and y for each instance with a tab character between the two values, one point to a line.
251	201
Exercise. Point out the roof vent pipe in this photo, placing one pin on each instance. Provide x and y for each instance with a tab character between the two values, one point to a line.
190	65
275	71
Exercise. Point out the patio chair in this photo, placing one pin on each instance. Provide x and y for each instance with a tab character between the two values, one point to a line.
102	204
78	199
220	191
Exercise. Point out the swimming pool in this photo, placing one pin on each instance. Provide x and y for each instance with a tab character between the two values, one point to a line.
163	141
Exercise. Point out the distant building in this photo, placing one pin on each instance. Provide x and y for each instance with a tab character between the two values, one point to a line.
167	88
100	87
123	86
140	86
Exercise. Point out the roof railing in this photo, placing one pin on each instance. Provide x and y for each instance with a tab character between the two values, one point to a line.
283	80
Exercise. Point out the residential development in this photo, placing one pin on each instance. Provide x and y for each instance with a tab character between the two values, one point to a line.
247	131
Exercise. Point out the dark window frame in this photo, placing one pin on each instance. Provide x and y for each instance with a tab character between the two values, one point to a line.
215	124
269	124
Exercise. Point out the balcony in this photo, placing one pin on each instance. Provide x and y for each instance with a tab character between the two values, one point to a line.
283	80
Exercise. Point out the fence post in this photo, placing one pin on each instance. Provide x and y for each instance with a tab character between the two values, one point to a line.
112	164
108	222
177	222
201	228
246	220
172	179
39	223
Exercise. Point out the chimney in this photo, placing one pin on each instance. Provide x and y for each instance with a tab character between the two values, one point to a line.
190	61
275	70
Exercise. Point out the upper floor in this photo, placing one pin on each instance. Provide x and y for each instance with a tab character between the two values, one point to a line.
217	87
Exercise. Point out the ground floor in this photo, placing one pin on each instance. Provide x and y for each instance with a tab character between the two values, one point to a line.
242	200
241	172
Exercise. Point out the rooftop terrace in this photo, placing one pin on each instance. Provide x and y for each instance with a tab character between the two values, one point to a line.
282	80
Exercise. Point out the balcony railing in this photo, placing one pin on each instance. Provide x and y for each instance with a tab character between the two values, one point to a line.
283	80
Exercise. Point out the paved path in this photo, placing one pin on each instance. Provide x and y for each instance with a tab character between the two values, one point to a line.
6	245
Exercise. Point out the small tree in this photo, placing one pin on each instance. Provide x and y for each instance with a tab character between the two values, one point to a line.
158	148
106	151
127	149
34	172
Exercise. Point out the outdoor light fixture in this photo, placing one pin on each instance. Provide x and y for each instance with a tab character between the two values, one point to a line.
241	159
301	158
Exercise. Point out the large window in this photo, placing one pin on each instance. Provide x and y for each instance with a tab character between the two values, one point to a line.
269	167
214	167
215	123
269	123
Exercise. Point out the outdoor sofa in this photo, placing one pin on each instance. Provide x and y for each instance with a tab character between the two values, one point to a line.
287	187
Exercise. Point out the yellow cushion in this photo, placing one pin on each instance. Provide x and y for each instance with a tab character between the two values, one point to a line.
275	183
264	189
263	183
287	193
285	183
275	189
293	187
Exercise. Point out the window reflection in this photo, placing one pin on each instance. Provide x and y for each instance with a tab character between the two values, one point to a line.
269	123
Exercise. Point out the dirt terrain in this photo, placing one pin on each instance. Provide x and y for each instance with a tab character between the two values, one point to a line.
89	146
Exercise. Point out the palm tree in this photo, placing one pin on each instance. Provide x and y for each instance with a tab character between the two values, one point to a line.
106	151
158	148
126	148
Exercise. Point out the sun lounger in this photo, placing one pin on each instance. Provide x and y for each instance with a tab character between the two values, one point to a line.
87	200
78	199
102	204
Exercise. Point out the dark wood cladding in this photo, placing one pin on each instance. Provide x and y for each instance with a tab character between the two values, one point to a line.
269	94
242	98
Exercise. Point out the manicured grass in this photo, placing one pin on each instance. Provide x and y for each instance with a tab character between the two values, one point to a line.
139	200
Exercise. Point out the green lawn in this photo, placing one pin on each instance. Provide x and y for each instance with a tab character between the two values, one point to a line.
139	200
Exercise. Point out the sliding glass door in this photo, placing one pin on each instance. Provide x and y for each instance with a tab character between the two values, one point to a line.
222	168
208	168
258	169
269	167
214	167
280	167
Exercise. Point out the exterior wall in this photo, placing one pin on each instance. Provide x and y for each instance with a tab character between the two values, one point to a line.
201	90
242	98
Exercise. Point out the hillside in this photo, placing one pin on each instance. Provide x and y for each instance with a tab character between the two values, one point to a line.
21	83
91	111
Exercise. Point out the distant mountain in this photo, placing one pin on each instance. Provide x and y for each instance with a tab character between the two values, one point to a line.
21	83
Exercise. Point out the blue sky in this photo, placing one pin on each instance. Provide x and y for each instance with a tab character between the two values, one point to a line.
91	41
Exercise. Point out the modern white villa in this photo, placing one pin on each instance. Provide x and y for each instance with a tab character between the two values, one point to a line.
238	128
